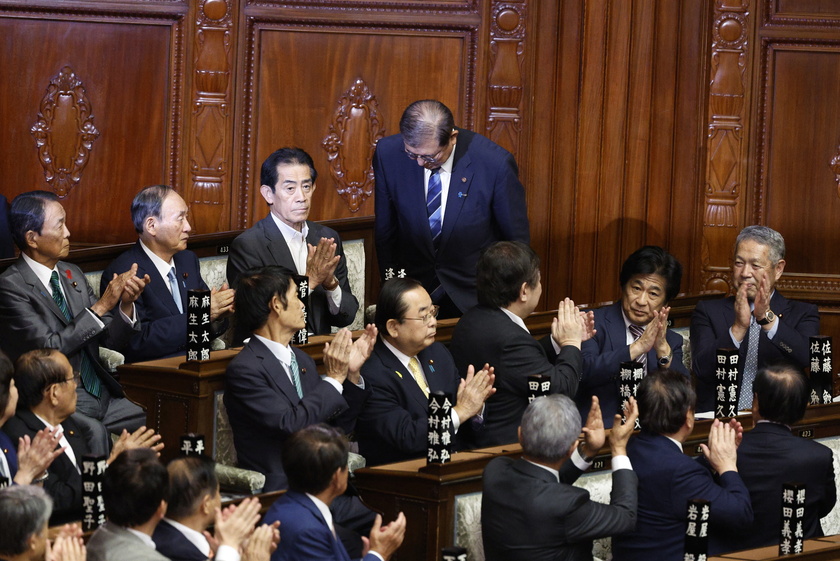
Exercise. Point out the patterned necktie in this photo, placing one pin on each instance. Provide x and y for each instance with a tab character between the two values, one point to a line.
296	375
750	367
433	206
176	292
414	366
636	331
90	380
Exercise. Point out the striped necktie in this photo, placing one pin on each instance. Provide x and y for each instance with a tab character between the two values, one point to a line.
433	206
293	368
636	331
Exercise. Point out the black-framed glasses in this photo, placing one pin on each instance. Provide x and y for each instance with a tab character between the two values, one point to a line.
76	378
428	159
433	313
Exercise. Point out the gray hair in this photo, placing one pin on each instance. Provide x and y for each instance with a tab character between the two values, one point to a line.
148	202
549	427
764	236
24	512
424	120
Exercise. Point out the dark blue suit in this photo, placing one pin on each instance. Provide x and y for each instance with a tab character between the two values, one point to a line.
7	448
172	544
710	325
667	480
602	358
164	329
393	425
306	536
486	203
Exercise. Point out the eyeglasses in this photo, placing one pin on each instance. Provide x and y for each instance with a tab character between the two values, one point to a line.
433	313
76	378
428	159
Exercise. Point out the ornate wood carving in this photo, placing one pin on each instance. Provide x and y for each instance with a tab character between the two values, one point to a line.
505	82
210	120
726	139
352	138
64	131
835	167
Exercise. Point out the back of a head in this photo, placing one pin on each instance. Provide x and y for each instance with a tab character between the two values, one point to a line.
425	120
134	486
255	290
783	393
7	372
665	397
148	202
312	455
650	260
24	512
191	478
501	270
549	426
391	304
27	213
35	371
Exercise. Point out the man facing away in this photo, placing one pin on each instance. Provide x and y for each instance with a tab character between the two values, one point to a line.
286	238
529	509
761	323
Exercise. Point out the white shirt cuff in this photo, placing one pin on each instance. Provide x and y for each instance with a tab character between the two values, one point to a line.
578	460
334	383
227	553
456	421
735	342
377	554
621	462
554	345
334	298
96	319
129	320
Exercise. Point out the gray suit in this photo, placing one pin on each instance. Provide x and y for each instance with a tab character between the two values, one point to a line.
114	543
264	244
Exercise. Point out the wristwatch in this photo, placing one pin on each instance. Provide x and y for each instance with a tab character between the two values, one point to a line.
769	317
664	360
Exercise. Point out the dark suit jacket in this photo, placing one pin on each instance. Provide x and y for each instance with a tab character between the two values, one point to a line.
174	545
30	319
486	204
264	408
526	515
488	335
7	448
263	244
7	246
602	358
667	480
164	328
393	426
64	482
768	457
305	532
710	325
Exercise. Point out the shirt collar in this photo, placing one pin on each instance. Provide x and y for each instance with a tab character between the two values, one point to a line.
552	471
145	538
628	323
515	319
195	538
162	266
677	442
445	166
401	356
41	271
282	352
288	232
324	510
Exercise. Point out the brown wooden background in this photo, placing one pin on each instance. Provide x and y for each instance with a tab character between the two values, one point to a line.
645	121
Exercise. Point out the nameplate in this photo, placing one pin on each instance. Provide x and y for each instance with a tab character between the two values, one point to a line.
806	433
222	249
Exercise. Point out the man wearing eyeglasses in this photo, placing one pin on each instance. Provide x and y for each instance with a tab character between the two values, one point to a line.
762	324
406	365
442	195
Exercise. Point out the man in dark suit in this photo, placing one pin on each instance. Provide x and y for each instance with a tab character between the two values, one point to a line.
315	460
442	195
273	389
193	505
634	328
529	509
160	218
7	246
770	456
758	314
668	478
47	303
406	365
47	387
494	332
286	238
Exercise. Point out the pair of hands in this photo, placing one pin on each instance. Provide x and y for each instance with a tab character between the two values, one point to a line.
67	545
572	326
474	390
343	358
761	303
653	336
594	434
36	455
722	450
125	289
141	438
236	527
321	263
385	540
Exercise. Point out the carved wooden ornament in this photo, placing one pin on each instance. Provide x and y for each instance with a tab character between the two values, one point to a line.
64	132
835	167
350	144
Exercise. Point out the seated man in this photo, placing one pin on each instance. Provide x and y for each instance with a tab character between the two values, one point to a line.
315	461
529	509
47	303
770	456
160	218
286	238
634	328
47	386
24	512
193	506
668	478
494	332
405	366
759	321
273	389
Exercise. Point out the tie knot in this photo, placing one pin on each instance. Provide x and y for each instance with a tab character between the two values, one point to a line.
636	330
171	274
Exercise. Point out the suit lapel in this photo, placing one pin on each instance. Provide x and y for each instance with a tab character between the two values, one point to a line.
72	289
38	288
158	288
394	367
273	369
459	187
275	243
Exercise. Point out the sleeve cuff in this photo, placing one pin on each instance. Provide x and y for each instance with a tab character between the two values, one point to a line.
334	383
334	299
96	318
378	555
579	462
734	341
621	462
227	553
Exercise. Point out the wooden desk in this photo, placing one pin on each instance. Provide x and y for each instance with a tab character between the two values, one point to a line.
819	549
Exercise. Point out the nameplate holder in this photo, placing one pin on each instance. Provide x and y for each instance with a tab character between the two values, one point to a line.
440	428
453	554
192	444
199	332
697	530
791	538
93	503
539	385
630	375
727	366
821	369
302	282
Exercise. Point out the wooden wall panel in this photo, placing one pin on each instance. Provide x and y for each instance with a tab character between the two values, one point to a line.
121	75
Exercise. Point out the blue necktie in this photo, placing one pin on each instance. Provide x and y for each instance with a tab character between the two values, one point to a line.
176	292
90	380
433	206
296	375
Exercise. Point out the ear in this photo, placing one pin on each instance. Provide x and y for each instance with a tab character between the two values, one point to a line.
454	135
207	504
391	326
30	239
523	292
150	225
780	268
267	194
52	394
161	510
